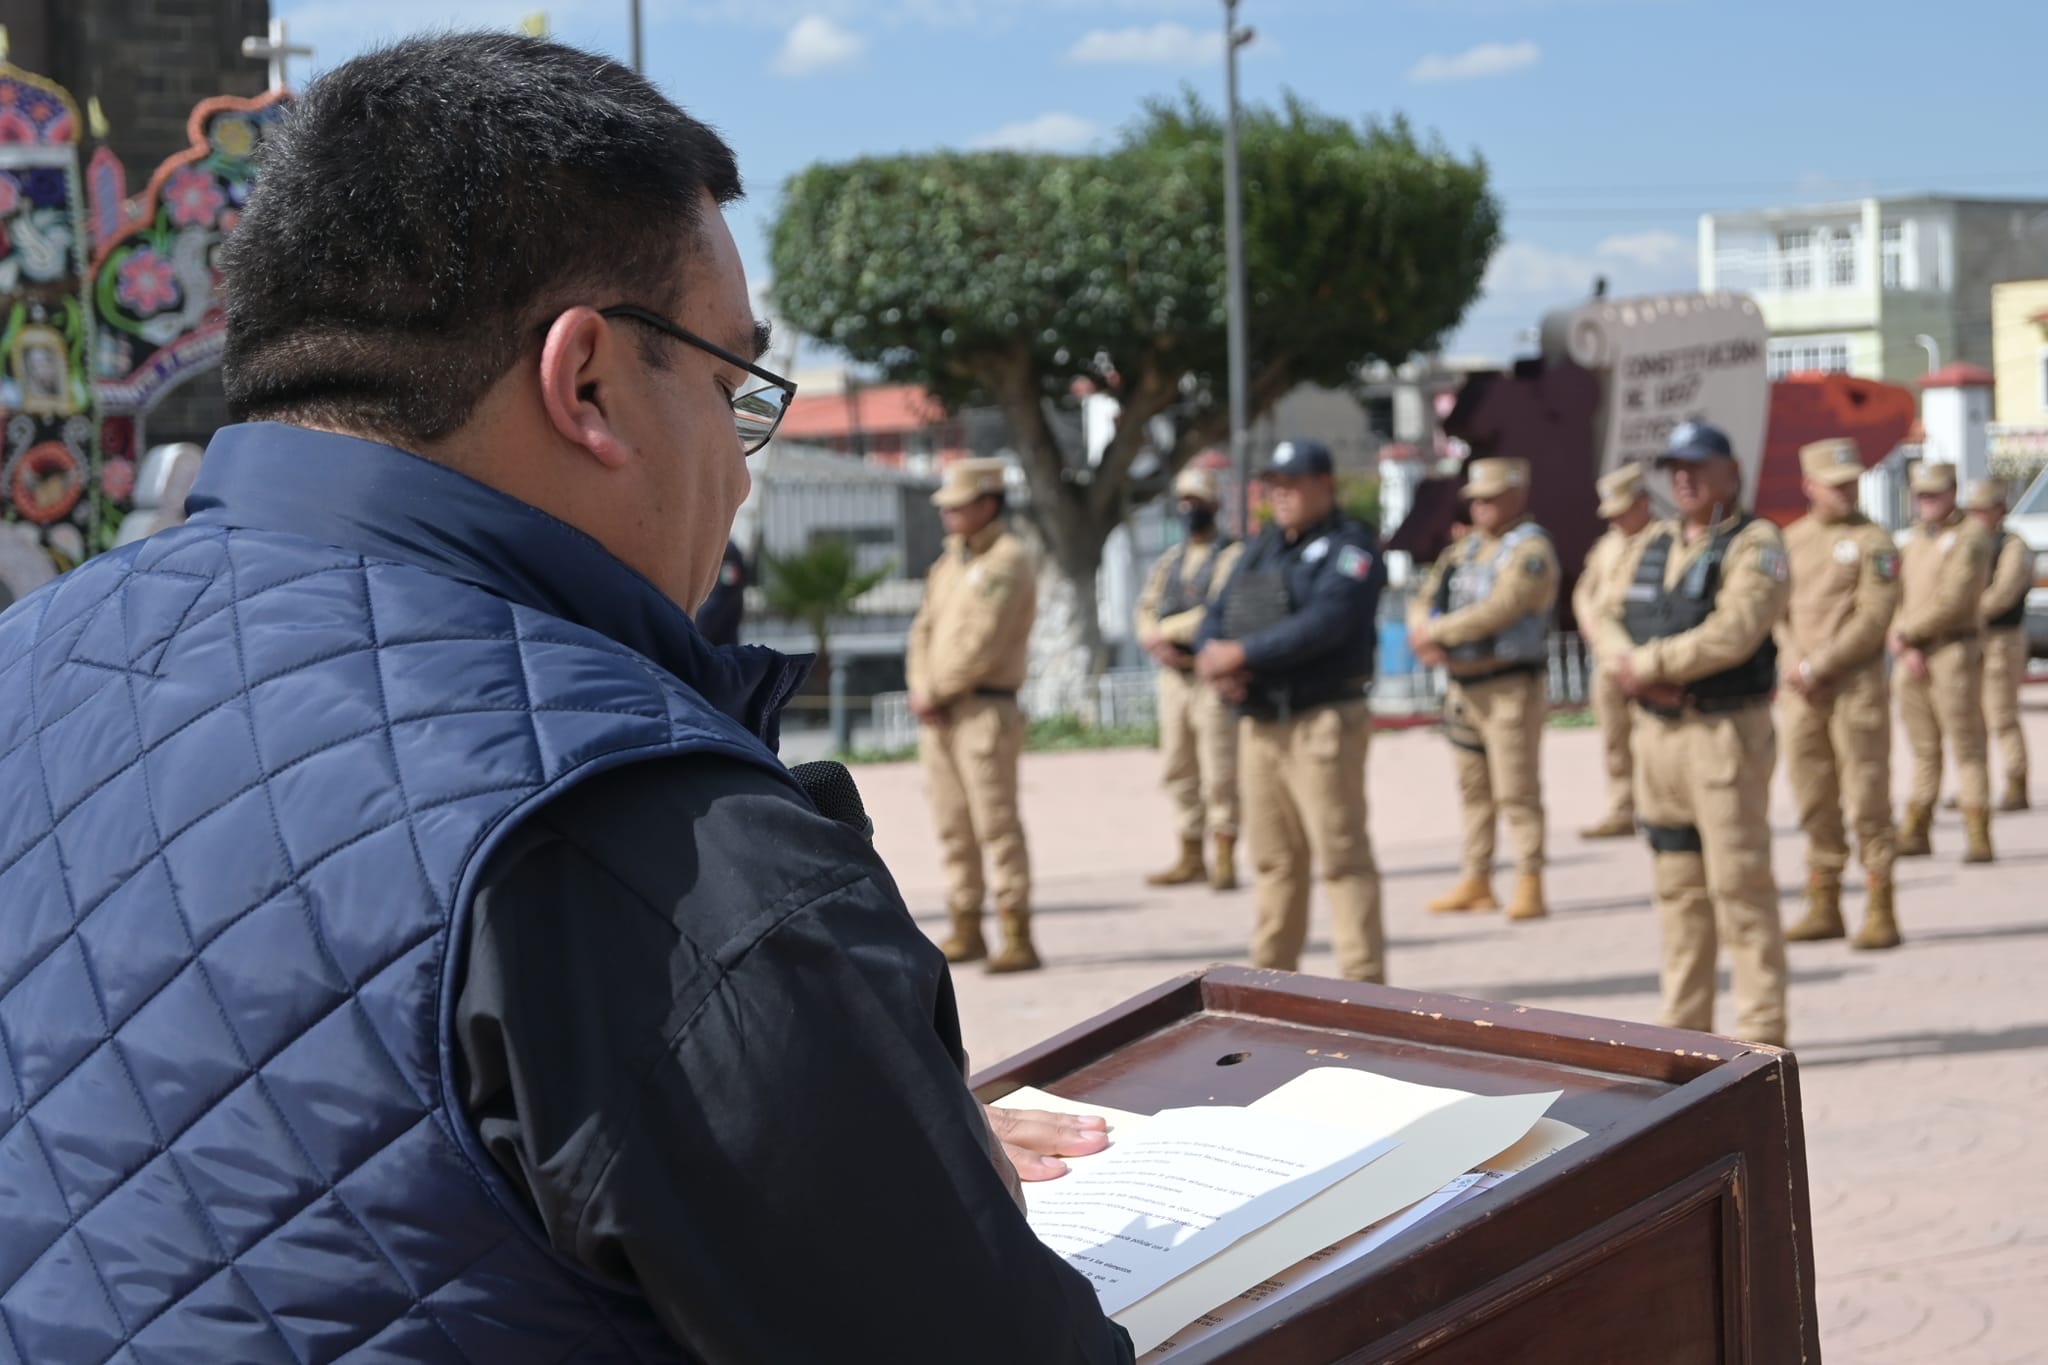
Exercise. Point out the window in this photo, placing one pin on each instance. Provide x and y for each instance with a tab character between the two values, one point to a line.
1807	355
1892	239
1795	259
1841	258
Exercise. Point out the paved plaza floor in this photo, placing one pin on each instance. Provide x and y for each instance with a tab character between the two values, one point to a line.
1925	1069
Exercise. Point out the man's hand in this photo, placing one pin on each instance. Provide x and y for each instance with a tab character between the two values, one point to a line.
1430	654
1915	662
921	707
1166	654
1219	659
1663	696
1234	687
1625	677
1034	1140
1897	644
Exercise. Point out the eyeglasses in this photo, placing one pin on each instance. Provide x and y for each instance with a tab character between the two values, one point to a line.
755	413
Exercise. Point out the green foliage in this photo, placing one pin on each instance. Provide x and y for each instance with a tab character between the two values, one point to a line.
1359	496
817	585
1362	243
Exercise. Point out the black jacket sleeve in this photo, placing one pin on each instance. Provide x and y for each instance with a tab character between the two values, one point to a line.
703	1033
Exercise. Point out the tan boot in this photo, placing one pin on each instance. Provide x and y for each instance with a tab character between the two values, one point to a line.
1527	902
1913	830
2015	793
1880	927
1017	955
1614	826
1977	829
1223	872
1823	919
966	944
1188	869
1471	893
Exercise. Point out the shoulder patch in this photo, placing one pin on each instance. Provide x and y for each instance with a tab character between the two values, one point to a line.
1771	559
1534	566
1886	563
1354	563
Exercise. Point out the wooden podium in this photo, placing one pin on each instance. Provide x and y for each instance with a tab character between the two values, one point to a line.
1676	1233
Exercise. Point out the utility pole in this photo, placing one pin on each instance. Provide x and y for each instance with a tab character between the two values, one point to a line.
637	66
1233	231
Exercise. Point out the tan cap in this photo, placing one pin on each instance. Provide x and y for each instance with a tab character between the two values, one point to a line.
1983	494
1619	490
1490	478
967	480
1835	461
1197	483
1933	476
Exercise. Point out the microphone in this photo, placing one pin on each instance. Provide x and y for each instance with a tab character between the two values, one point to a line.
831	789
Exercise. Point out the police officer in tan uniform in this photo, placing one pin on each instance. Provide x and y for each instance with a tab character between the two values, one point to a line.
967	658
2004	612
1484	615
1197	730
1290	643
1625	507
1938	640
1834	697
1689	641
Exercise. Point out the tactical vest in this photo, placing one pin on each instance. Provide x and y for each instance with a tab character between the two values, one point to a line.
2014	616
249	799
1526	639
1183	594
1653	612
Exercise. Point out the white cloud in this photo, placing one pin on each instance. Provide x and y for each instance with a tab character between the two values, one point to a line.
1046	133
1475	63
1164	44
1650	250
1519	268
815	44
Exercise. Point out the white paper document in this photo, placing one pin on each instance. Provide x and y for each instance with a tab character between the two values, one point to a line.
1190	1184
1546	1137
1325	1262
1442	1134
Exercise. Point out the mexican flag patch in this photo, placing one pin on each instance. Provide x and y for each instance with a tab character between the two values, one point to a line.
1354	563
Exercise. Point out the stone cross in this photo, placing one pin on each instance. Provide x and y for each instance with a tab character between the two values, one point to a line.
276	49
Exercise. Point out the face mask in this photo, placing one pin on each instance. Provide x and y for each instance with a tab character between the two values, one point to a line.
1197	517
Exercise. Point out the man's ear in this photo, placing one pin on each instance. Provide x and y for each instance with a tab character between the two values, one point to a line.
580	371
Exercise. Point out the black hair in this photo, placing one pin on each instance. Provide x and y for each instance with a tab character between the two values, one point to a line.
426	210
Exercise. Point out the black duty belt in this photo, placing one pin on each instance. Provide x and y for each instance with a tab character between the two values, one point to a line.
998	693
1952	638
1495	674
1708	706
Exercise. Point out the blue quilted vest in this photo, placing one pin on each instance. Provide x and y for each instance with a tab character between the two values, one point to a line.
249	770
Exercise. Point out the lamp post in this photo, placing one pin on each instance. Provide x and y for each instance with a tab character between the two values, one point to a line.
635	7
1233	247
1933	349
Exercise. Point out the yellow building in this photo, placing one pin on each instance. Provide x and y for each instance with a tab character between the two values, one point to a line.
2019	352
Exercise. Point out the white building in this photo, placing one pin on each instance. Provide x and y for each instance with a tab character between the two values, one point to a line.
1864	287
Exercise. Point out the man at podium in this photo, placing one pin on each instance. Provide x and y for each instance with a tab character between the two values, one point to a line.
471	982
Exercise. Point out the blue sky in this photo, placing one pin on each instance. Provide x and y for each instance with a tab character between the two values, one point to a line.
1609	125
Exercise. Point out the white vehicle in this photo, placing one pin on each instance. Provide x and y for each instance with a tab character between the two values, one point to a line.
2029	521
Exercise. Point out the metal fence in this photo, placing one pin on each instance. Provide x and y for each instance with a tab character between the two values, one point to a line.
1127	697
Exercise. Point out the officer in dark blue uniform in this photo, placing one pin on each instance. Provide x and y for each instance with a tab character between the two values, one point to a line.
1290	642
718	620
